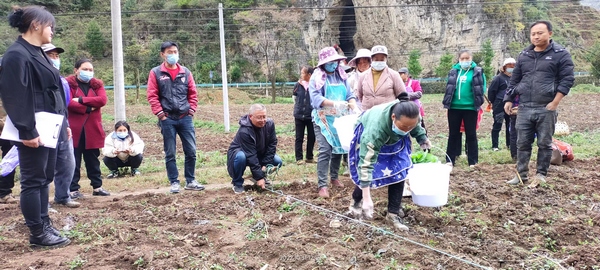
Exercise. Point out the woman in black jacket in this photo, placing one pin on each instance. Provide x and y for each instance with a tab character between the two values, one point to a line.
302	116
30	84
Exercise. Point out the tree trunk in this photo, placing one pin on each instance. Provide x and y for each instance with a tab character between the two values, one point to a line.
273	90
137	85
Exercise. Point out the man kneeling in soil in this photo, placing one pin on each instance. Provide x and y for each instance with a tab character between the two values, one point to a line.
254	146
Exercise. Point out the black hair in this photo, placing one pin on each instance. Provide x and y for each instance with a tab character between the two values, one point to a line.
167	44
405	107
309	69
81	62
464	51
547	23
23	18
122	123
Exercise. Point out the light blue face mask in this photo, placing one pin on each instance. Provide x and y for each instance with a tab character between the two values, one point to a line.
398	131
122	135
510	70
56	63
172	59
330	67
86	76
465	64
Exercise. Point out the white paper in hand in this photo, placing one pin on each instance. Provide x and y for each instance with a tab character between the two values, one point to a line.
47	124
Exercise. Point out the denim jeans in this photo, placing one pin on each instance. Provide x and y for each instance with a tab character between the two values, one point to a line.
184	127
327	161
63	173
37	171
499	117
531	121
239	166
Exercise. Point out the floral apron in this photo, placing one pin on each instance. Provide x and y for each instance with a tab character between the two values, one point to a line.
392	164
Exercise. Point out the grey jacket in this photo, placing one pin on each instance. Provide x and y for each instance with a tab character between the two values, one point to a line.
538	76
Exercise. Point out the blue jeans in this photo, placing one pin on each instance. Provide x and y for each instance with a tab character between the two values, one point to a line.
184	127
326	161
239	166
63	173
531	121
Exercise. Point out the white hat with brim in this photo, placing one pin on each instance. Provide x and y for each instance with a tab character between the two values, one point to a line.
362	53
50	47
328	54
509	61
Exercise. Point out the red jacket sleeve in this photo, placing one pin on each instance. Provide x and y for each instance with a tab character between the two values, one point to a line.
152	94
192	93
100	99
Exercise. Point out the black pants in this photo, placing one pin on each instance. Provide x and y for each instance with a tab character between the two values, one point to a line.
92	165
301	125
115	163
7	183
499	117
37	172
513	137
394	197
455	118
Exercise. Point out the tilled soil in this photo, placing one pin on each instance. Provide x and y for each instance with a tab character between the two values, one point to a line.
485	223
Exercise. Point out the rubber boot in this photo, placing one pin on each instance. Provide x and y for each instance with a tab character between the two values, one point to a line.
48	226
39	237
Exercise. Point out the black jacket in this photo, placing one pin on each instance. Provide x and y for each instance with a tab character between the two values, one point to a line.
302	107
29	83
538	76
259	145
497	88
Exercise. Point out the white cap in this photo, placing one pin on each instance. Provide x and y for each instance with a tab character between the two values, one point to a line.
379	49
509	61
362	53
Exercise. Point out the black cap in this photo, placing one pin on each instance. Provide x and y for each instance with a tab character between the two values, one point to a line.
167	44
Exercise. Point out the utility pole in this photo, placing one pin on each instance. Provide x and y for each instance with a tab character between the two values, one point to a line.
117	49
224	70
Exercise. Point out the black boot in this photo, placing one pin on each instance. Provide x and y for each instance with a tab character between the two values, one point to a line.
39	237
48	226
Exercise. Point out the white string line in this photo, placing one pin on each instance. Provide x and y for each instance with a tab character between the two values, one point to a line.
384	231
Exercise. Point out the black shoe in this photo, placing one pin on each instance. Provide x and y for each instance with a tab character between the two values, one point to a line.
238	189
48	226
100	192
39	237
76	195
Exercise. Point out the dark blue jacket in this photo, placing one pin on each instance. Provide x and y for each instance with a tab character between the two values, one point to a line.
259	145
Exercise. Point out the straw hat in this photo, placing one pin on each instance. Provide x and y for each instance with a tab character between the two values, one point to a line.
362	53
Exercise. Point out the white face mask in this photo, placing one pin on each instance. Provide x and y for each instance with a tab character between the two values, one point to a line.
378	65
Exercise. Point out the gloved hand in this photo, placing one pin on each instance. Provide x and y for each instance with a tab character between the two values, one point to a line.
367	203
426	145
340	106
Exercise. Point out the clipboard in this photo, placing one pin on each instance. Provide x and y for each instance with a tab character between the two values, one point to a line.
48	126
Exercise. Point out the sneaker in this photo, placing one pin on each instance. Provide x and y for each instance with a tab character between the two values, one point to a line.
194	185
76	195
537	180
516	180
113	174
175	187
135	172
70	203
355	209
100	192
238	189
495	149
323	193
300	162
337	183
396	221
8	199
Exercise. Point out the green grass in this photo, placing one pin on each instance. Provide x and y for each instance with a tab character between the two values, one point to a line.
585	88
209	125
280	100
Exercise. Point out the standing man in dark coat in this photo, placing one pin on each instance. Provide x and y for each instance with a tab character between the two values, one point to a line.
542	77
254	146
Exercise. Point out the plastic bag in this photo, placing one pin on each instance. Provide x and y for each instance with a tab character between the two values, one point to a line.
566	150
345	129
9	162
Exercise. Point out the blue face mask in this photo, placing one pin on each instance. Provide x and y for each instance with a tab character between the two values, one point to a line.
398	131
56	63
86	76
122	135
172	59
510	70
330	67
465	64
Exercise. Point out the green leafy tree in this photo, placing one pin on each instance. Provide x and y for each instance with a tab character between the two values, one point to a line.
488	55
446	62
414	66
593	57
94	40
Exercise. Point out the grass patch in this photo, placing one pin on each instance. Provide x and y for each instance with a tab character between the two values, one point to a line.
209	125
585	88
279	100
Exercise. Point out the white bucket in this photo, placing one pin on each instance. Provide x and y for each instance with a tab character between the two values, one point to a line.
345	129
429	183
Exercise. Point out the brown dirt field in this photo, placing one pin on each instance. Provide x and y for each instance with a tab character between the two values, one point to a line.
485	221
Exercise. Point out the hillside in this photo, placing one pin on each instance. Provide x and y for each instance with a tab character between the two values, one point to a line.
274	38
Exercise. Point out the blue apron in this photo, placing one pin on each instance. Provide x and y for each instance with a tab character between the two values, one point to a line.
335	92
392	164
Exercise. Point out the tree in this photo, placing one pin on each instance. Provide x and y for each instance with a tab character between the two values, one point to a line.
94	40
414	66
593	57
135	56
488	55
446	63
